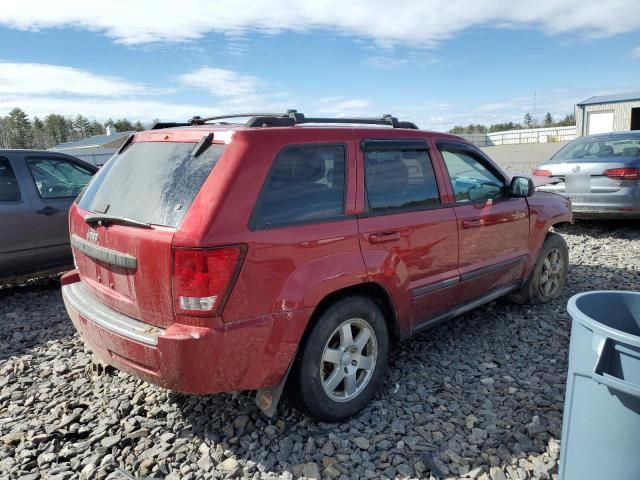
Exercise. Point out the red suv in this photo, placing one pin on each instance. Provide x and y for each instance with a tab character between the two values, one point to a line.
286	254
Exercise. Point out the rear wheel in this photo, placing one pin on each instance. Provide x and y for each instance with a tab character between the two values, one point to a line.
342	360
549	273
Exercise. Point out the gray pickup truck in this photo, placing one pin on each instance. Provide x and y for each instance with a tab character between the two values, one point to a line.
36	191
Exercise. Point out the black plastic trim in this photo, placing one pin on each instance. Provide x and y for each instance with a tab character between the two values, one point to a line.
465	307
104	255
371	145
432	287
491	268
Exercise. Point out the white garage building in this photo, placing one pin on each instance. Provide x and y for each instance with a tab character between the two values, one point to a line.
608	113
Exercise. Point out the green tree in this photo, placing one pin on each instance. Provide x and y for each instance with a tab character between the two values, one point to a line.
58	129
18	129
39	134
528	120
82	126
548	120
123	125
95	128
138	127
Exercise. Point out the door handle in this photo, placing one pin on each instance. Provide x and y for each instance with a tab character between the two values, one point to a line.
383	237
473	222
48	211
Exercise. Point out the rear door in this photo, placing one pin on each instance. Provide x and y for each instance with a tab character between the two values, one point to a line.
129	268
493	228
408	236
55	182
18	246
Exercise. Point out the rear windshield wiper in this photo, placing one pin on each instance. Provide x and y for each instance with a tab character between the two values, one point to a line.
105	219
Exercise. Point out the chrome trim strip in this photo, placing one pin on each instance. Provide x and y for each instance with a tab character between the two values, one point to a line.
76	296
103	254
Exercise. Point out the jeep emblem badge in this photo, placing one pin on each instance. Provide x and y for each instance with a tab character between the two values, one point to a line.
92	235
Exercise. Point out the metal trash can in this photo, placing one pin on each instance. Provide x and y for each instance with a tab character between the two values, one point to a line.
601	424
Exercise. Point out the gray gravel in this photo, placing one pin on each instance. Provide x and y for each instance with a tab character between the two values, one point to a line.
478	397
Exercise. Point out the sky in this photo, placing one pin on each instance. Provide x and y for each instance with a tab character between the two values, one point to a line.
438	63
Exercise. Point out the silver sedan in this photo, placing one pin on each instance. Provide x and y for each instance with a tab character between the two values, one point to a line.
600	174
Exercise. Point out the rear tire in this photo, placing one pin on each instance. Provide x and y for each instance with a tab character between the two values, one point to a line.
549	274
341	362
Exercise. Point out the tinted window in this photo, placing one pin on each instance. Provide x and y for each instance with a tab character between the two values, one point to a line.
600	148
470	179
305	183
57	177
399	180
9	190
153	182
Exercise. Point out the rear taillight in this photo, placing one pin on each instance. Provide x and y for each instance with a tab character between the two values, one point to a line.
202	279
542	173
623	173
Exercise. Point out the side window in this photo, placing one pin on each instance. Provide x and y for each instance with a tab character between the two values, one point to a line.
57	177
400	180
470	179
9	189
306	183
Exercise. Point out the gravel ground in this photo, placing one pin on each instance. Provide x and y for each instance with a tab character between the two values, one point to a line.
478	397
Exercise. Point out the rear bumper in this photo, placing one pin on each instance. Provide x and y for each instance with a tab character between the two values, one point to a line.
243	355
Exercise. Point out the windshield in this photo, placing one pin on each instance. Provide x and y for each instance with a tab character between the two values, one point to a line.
600	148
152	182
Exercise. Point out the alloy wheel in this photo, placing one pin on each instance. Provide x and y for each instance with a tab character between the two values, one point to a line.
348	360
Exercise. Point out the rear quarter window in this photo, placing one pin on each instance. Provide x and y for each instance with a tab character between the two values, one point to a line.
306	183
152	182
9	189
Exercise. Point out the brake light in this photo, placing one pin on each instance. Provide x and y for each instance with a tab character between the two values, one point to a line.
623	173
202	279
542	173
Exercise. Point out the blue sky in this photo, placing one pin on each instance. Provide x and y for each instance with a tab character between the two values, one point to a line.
435	62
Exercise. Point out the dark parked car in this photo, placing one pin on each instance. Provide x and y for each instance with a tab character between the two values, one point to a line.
220	257
599	173
36	190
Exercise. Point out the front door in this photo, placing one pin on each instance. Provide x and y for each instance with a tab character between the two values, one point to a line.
493	227
56	181
408	238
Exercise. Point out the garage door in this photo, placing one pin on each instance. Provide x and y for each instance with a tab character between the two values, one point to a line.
600	122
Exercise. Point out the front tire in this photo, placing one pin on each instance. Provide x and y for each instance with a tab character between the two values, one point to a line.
341	362
549	274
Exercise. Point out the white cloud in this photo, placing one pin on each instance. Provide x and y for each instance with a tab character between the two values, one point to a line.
103	108
339	107
386	62
42	79
635	53
220	82
408	22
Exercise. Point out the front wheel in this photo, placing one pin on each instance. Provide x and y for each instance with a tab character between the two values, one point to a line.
549	273
342	361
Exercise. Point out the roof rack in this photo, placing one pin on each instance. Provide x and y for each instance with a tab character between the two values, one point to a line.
293	117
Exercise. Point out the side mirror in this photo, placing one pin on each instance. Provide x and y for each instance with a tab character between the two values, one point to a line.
521	187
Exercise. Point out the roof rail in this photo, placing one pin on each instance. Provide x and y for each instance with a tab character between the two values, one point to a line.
293	117
160	125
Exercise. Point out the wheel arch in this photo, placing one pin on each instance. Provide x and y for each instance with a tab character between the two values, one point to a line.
376	292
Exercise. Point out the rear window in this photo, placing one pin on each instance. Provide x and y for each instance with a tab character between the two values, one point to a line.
600	148
153	182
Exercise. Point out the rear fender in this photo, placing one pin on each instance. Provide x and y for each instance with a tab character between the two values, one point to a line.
313	281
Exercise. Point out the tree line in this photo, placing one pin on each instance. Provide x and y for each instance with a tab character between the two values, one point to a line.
17	130
528	122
